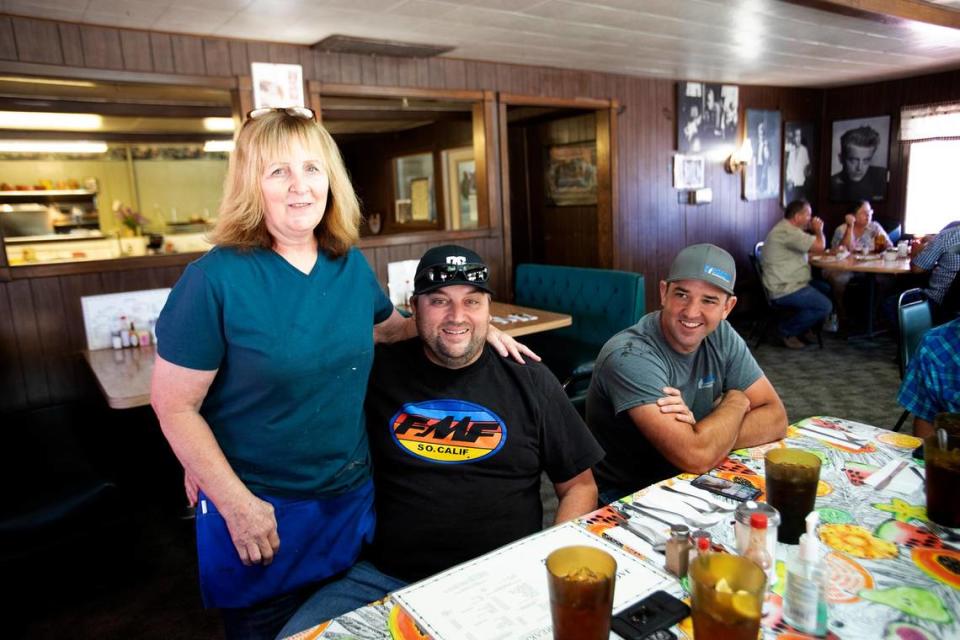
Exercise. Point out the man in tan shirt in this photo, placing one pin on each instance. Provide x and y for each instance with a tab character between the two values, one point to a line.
786	273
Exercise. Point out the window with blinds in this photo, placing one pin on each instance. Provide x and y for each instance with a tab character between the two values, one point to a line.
933	133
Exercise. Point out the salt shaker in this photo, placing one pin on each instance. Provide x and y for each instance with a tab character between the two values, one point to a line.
678	550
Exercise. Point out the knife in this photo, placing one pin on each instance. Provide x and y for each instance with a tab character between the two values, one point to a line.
883	483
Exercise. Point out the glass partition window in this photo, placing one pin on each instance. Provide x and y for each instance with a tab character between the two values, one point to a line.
414	188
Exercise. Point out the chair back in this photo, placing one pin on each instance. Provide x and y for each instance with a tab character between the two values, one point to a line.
756	261
913	311
895	234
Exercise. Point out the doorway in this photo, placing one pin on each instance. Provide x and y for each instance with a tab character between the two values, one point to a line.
556	163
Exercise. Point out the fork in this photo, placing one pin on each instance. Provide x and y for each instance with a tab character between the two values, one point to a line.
699	504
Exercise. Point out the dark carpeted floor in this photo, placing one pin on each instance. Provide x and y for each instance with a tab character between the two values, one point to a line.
151	591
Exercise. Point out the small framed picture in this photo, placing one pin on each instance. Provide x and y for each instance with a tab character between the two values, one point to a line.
761	180
858	162
687	172
799	162
570	176
277	85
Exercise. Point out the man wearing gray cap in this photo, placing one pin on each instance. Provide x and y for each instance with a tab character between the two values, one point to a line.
679	390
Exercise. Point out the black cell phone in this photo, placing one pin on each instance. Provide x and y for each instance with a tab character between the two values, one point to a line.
657	612
726	488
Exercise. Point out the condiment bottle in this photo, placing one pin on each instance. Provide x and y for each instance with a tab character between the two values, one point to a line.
124	332
742	529
678	550
757	547
695	539
804	596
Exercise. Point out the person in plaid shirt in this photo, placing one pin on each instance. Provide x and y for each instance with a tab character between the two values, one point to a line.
940	256
932	381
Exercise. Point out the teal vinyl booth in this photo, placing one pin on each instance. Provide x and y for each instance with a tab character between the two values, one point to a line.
601	301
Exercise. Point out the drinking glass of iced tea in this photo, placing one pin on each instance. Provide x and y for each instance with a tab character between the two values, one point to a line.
581	581
791	477
943	478
726	596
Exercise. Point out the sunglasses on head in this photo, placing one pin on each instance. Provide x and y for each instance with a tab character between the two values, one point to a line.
470	272
303	113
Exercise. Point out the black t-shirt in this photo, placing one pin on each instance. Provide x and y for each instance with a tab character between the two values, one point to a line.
458	454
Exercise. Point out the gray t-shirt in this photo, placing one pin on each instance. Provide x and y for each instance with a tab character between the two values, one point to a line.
632	370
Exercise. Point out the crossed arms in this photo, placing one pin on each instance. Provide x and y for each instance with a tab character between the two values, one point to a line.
739	419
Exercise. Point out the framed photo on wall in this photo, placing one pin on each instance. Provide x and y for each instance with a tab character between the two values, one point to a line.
706	116
858	161
761	180
688	172
799	162
570	174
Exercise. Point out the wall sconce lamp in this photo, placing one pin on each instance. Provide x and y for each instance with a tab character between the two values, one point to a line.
739	159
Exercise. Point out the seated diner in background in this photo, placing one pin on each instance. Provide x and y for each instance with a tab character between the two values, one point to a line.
679	390
940	256
787	277
931	384
858	234
459	439
265	345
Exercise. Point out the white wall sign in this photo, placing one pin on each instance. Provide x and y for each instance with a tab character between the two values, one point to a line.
277	85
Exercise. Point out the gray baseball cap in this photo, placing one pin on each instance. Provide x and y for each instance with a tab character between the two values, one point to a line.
706	262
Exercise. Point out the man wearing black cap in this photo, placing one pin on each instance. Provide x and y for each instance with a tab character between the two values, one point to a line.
679	390
459	437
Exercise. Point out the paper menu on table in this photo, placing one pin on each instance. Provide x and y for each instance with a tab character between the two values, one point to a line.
503	594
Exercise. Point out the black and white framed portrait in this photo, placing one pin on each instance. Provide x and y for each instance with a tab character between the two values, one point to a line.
762	178
799	158
858	162
706	116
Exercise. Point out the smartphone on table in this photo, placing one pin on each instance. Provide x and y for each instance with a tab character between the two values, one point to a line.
726	488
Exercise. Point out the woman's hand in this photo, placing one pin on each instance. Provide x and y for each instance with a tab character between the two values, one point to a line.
507	346
191	487
253	529
673	403
850	219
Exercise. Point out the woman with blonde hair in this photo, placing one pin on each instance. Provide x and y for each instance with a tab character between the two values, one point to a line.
264	348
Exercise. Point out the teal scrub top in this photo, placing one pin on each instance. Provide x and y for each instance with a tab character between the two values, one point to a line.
292	352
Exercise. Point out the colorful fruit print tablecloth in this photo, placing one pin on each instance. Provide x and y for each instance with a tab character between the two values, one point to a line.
892	578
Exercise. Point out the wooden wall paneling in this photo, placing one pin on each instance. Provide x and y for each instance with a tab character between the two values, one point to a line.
162	50
327	66
13	394
257	52
506	251
8	45
239	61
607	192
55	349
308	60
135	47
280	53
368	70
37	41
72	288
216	57
387	73
350	68
101	47
455	75
406	72
188	55
72	45
28	339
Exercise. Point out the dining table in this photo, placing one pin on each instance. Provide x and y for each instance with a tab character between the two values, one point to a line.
892	573
124	375
871	265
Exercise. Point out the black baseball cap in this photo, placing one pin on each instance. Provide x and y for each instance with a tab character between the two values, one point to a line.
450	264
